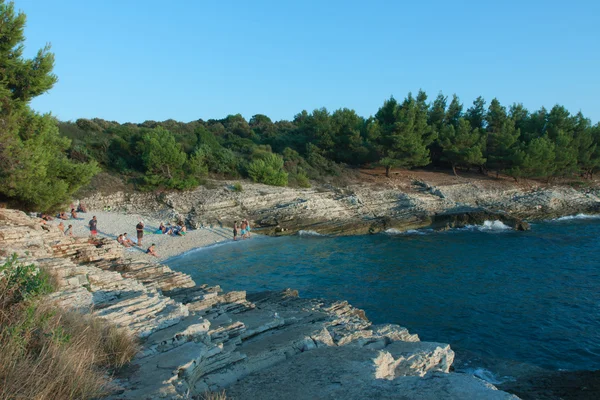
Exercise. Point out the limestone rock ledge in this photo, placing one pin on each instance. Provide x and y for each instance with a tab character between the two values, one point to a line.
267	345
358	208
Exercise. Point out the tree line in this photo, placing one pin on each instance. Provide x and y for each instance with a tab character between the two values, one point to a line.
412	133
44	161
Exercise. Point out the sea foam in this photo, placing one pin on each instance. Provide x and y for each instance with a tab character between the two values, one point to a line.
309	233
578	216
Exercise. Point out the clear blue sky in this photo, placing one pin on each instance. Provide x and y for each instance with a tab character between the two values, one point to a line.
131	60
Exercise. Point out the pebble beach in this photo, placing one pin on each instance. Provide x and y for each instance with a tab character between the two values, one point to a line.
112	224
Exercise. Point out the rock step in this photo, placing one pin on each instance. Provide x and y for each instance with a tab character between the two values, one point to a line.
351	373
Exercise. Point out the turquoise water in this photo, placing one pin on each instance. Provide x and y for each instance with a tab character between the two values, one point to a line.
495	295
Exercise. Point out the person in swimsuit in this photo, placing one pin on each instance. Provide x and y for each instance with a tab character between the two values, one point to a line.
69	231
247	227
93	226
61	226
151	251
235	230
243	229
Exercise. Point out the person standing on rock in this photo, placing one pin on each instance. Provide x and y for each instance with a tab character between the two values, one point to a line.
93	226
140	232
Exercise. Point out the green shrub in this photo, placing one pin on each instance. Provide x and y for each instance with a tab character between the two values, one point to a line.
268	170
237	187
21	282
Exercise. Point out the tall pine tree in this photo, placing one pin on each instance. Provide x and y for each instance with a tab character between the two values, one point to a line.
35	172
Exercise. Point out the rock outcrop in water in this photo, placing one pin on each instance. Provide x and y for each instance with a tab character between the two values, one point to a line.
357	209
197	338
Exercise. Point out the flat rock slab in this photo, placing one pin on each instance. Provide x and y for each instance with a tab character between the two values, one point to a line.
349	373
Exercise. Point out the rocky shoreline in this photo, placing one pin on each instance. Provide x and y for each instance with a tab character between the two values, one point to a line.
357	208
197	338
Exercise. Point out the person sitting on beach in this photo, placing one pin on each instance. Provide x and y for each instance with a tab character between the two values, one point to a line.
122	241
162	228
46	217
81	208
63	215
126	241
69	231
61	226
151	251
182	230
73	214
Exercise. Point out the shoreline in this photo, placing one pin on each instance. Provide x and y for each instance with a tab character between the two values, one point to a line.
111	224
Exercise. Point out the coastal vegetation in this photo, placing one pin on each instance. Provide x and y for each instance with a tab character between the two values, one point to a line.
46	352
496	139
35	169
44	161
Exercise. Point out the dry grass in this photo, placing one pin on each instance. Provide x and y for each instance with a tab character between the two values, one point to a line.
48	353
214	396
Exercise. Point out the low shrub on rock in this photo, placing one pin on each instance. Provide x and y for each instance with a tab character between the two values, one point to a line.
49	353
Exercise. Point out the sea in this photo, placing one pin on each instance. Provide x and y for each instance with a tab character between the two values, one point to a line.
507	302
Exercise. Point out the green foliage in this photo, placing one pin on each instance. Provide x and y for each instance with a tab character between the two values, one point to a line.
268	170
404	135
237	187
164	161
23	281
463	146
35	172
502	147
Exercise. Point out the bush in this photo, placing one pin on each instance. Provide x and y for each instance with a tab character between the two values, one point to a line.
49	353
237	187
268	170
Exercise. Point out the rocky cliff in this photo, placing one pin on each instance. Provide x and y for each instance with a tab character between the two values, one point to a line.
366	207
269	345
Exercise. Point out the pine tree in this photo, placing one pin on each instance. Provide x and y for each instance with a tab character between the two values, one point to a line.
476	114
35	172
404	134
462	146
505	143
454	112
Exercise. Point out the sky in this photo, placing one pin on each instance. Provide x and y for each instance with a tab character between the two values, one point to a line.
134	60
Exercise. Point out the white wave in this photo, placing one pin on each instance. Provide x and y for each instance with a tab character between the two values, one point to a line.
308	233
489	226
394	231
489	376
578	216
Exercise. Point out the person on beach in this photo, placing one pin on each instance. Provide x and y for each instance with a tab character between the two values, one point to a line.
63	215
93	224
73	214
162	228
61	226
247	228
151	251
140	232
69	231
235	230
121	239
46	217
82	208
243	229
126	241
